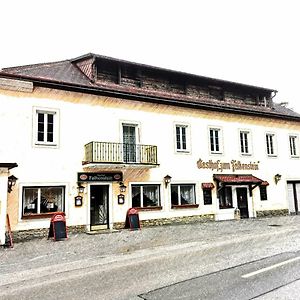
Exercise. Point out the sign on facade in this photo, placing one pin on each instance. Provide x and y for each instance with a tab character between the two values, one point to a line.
234	165
92	177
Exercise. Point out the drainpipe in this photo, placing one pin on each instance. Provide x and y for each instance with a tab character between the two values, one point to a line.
3	204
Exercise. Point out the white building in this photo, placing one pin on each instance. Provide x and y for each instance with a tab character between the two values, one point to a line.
102	124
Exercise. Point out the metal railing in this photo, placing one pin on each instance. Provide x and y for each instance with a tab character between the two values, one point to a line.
105	152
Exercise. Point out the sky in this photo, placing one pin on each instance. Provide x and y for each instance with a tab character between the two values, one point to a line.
254	42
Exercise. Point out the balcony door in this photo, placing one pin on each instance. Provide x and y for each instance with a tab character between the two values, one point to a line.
129	143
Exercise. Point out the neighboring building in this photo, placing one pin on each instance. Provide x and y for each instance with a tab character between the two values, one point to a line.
102	124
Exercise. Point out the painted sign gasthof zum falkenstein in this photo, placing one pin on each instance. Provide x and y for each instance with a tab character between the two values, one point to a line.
234	165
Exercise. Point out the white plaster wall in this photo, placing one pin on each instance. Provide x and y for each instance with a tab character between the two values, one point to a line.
85	118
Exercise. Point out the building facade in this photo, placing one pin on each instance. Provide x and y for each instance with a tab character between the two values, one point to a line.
95	136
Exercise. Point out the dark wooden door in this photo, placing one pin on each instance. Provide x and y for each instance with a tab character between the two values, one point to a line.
242	201
99	206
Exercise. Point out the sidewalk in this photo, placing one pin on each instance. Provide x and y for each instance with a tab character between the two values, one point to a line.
43	253
217	245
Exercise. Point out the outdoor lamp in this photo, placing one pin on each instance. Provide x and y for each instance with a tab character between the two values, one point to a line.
11	182
80	188
167	179
122	187
277	177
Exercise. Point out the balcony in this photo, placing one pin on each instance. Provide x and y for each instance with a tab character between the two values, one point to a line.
118	153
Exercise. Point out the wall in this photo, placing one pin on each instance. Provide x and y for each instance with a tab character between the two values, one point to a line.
85	118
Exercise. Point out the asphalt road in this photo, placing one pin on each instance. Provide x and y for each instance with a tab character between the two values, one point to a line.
222	268
246	281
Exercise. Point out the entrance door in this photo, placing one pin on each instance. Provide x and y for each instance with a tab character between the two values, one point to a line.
129	143
242	201
99	206
293	189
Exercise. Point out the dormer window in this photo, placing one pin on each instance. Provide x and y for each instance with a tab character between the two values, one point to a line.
216	92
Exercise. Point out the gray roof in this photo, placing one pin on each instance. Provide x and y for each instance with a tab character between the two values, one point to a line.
62	71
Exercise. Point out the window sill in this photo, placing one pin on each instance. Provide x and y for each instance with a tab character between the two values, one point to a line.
148	208
225	207
216	152
38	216
185	206
178	151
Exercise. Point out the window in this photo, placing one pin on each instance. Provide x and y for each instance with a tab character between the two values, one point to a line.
270	143
182	138
183	194
245	142
263	192
46	127
225	197
207	196
145	195
216	92
215	140
42	200
293	139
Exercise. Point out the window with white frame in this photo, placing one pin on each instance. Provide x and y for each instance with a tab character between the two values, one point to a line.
245	142
215	140
43	200
183	194
225	197
45	127
270	144
263	192
293	141
146	195
182	138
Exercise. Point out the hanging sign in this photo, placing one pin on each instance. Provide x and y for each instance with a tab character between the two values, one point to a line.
92	177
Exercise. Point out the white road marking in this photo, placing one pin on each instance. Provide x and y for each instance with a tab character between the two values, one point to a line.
270	267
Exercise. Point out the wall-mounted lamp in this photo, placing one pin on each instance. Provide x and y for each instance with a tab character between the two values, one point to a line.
167	179
122	187
80	188
277	177
11	182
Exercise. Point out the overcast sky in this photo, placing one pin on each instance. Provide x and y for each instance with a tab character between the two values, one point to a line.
249	41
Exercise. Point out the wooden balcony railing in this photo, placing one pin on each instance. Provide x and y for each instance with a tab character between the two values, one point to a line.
104	152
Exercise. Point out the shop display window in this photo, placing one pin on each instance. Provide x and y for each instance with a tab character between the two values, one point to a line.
183	194
147	195
225	197
43	200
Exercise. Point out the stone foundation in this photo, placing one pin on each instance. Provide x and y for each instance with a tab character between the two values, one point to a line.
26	235
271	213
170	221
